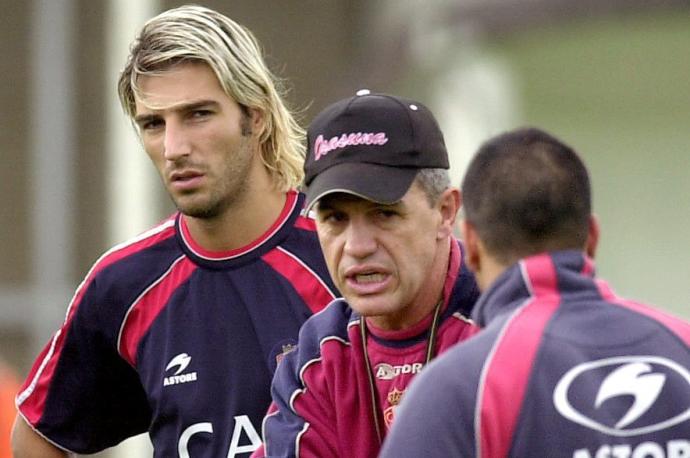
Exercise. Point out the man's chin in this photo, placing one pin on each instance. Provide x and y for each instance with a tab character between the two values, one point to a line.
369	307
197	210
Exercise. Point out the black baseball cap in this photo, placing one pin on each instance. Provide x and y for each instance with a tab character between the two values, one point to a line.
372	146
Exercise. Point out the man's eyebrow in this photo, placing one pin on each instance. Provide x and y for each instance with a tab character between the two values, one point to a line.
195	105
328	202
182	107
145	118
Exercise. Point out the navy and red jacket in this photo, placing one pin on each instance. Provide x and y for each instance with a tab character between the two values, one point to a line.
166	337
328	401
562	368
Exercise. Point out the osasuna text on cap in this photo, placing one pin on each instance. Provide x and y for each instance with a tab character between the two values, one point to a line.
372	146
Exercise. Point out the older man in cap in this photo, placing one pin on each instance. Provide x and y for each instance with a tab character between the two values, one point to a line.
377	179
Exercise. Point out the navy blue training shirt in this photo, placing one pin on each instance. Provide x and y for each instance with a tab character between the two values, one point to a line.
166	337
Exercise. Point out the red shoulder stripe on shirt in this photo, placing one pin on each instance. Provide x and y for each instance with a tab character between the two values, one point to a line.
305	223
148	305
507	370
676	325
151	237
308	284
31	399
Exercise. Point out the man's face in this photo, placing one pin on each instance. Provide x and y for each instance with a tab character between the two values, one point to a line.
199	139
381	256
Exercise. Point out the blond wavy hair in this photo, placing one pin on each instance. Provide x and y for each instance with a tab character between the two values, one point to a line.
196	34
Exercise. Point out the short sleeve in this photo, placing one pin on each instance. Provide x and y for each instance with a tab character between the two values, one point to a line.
80	394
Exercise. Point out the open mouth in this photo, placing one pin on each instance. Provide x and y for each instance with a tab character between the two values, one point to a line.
372	277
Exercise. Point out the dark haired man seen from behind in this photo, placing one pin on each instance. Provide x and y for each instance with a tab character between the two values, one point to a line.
563	367
178	331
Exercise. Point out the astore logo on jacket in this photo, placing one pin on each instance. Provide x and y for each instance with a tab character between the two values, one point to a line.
385	371
624	396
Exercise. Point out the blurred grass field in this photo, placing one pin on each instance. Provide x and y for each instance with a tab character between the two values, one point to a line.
618	91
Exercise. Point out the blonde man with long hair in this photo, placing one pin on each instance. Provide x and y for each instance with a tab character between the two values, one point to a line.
178	331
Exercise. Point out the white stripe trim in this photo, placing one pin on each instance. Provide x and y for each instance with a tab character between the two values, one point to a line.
32	386
299	437
525	278
482	378
298	392
144	235
462	318
151	232
306	365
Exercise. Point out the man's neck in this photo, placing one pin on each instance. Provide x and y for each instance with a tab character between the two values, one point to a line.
491	269
239	225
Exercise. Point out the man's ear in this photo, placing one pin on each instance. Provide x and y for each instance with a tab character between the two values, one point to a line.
257	121
592	236
448	204
470	241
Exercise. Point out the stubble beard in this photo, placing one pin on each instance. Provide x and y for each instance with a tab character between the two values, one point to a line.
228	192
214	206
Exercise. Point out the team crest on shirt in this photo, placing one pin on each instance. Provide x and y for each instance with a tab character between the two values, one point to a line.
179	363
278	352
285	349
393	398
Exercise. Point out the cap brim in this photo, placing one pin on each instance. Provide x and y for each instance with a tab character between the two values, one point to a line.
374	182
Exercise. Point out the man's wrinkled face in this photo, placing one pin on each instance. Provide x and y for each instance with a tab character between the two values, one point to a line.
380	256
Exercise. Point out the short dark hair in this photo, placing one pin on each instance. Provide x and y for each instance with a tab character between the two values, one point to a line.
526	192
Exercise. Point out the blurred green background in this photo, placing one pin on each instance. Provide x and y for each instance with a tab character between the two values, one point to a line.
619	92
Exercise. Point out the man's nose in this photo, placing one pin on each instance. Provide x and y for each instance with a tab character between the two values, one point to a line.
176	142
360	239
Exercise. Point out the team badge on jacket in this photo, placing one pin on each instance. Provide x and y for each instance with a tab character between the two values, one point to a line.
285	349
394	397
